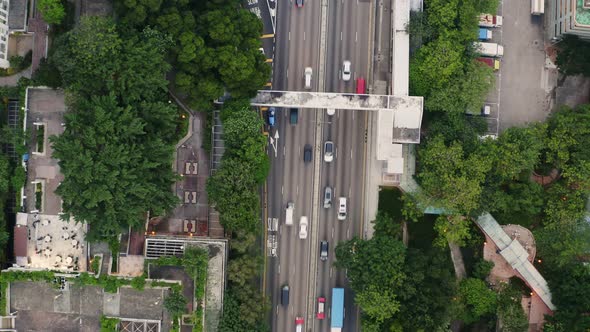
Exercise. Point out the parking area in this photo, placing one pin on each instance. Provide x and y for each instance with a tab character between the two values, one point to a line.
522	93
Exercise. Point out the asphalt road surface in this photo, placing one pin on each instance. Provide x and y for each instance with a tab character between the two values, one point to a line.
291	180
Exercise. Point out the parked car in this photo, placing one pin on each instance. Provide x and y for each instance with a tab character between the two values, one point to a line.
321	308
346	71
324	246
303	228
328	151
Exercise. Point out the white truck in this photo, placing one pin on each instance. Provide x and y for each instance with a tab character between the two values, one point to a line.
489	49
490	21
289	214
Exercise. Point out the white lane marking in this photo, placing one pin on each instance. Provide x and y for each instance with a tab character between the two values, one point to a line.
289	35
332	232
287	72
349	192
356	36
297	192
282	189
336	155
353	111
277	311
284	150
279	272
331	271
351	154
303	35
340	35
348	233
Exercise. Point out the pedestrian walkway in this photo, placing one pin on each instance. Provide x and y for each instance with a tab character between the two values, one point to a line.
40	43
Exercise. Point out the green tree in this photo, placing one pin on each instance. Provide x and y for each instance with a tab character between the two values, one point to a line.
53	11
452	229
4	175
571	295
377	302
570	58
113	172
510	312
451	180
482	269
243	269
564	242
477	298
519	150
175	303
385	226
87	56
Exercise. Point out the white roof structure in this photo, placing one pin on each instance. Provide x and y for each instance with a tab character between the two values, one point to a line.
401	48
399	116
513	252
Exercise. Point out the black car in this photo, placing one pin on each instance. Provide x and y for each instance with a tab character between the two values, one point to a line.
285	295
294	116
307	153
324	246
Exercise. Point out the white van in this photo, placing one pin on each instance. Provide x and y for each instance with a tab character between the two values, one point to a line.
342	208
308	73
289	214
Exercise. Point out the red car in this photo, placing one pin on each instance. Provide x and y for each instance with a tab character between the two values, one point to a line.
298	324
321	311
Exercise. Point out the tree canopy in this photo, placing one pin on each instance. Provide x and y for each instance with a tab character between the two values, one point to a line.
53	11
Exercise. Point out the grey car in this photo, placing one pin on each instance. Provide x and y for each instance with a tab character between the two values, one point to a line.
327	197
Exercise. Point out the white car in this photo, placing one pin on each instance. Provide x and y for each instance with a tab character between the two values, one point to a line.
342	208
303	228
328	151
308	73
346	70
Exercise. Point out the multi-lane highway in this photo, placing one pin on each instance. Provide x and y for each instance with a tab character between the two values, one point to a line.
292	180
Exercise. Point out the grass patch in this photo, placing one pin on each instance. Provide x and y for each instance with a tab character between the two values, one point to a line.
182	123
41	138
95	265
390	202
38	196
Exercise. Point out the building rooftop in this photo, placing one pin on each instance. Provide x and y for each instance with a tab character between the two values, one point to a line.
17	15
50	243
42	307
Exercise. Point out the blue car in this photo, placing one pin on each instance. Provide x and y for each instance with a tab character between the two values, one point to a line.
271	117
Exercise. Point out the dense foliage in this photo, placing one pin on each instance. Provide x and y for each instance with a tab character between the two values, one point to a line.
217	46
52	11
117	148
571	57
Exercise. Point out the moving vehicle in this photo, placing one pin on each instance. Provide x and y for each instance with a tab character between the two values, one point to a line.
331	111
327	197
293	116
494	63
299	3
321	314
298	324
485	34
289	214
346	70
360	86
328	151
307	75
489	49
324	247
271	116
337	310
307	155
285	295
490	21
342	208
303	228
537	7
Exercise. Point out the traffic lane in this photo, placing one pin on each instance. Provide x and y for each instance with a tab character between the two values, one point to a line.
335	19
281	58
303	38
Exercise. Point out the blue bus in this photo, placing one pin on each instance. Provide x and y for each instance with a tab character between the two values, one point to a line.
337	311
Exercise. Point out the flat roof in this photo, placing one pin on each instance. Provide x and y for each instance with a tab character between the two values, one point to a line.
17	15
42	307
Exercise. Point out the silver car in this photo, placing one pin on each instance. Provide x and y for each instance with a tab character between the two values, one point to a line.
327	197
